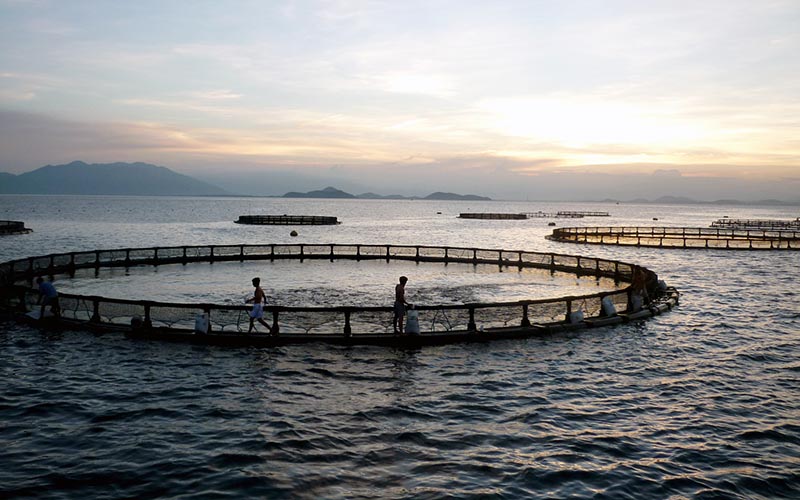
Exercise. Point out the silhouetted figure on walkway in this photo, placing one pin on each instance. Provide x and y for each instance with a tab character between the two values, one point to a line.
399	305
48	296
258	300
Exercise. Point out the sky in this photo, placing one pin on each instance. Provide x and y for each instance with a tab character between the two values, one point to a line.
511	99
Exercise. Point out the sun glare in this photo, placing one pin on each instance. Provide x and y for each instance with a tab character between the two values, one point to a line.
581	123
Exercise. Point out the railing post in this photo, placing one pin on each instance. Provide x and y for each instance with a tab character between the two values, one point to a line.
95	311
148	320
471	324
417	256
331	254
211	256
569	310
525	321
348	331
127	257
387	253
241	253
358	253
275	328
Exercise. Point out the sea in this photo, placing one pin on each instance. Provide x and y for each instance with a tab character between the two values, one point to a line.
702	402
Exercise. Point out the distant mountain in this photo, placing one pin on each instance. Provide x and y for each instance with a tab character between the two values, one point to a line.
133	179
674	200
680	200
453	196
373	196
331	192
328	192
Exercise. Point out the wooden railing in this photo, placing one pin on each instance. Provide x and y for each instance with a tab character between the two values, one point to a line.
18	277
680	237
287	220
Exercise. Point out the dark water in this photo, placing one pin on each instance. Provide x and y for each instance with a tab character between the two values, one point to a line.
698	403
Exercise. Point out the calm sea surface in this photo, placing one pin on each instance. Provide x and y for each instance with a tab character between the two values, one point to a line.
702	402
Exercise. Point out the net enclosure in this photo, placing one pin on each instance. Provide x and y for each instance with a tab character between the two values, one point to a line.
642	295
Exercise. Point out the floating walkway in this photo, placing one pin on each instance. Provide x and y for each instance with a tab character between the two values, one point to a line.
567	214
562	214
762	224
680	237
492	216
227	324
287	220
8	227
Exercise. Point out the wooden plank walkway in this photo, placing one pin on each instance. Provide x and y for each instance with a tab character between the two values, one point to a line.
492	216
680	237
288	220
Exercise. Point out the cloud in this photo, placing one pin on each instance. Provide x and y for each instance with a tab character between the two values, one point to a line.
216	94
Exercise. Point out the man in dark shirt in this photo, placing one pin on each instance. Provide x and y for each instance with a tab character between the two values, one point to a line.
49	297
399	304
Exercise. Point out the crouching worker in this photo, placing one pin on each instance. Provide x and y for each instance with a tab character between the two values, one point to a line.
258	300
48	296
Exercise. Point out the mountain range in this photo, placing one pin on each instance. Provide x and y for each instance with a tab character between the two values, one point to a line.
133	179
144	179
332	192
682	200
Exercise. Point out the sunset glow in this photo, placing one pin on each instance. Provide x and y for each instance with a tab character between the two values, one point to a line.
706	89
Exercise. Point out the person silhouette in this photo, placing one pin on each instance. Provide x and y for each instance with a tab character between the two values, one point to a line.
399	305
258	300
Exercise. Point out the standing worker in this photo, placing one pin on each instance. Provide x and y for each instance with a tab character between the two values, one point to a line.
399	304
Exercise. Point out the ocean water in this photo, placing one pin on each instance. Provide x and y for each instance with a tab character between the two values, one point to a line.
702	402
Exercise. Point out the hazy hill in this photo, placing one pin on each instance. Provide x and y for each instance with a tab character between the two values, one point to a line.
106	178
453	196
328	192
331	192
681	200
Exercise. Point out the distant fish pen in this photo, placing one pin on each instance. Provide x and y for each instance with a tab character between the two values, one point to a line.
567	214
287	220
492	216
13	227
763	224
680	237
226	324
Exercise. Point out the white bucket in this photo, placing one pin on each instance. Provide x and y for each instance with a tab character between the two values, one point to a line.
201	323
412	322
607	305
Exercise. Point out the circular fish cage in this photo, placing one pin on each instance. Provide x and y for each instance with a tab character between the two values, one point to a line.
758	224
492	216
680	237
8	227
644	296
287	220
